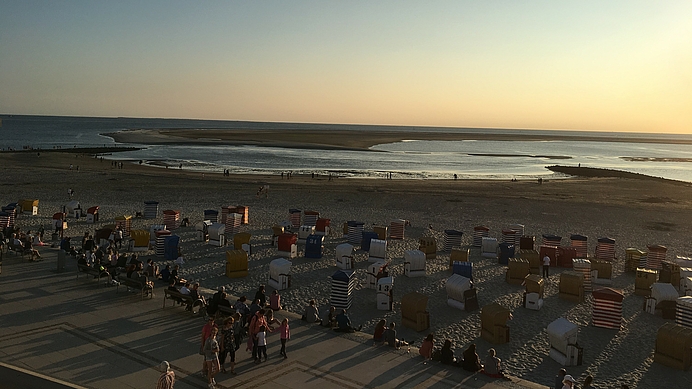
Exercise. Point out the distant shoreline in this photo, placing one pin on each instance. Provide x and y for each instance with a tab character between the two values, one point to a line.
338	139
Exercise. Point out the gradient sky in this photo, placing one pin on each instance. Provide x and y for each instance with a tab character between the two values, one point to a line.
583	65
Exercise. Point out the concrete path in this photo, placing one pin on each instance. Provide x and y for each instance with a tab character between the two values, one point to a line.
60	331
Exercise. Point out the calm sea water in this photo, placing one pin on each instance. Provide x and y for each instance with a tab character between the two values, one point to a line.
408	159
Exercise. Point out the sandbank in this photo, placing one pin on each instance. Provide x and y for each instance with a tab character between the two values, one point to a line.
337	139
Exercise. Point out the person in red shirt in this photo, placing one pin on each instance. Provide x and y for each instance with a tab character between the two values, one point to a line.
426	349
285	335
256	322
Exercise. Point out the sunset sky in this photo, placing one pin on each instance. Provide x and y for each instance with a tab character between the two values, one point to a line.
582	65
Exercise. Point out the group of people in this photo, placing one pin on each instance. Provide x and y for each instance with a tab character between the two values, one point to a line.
387	335
219	345
256	321
384	334
113	265
336	319
566	381
23	242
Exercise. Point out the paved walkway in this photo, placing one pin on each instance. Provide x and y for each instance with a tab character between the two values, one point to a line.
77	333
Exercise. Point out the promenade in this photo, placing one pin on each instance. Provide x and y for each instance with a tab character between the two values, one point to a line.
60	331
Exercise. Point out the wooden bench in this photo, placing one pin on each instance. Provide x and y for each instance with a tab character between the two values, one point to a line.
137	285
196	306
89	271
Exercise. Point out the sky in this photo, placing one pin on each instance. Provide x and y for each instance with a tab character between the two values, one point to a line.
580	65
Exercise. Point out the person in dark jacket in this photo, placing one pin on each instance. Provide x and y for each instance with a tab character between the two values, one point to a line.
261	296
471	361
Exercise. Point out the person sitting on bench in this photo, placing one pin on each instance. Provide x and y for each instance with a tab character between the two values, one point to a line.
165	274
171	287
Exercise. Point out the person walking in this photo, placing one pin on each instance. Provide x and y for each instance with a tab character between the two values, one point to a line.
211	357
206	333
285	332
167	377
227	344
546	266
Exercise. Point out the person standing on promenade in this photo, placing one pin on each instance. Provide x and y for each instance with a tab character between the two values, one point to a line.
167	377
285	332
257	321
206	333
546	266
227	345
261	344
211	357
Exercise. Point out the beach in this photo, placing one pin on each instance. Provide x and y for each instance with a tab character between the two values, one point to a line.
634	212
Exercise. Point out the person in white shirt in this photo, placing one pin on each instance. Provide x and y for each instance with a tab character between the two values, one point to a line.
262	344
546	266
568	382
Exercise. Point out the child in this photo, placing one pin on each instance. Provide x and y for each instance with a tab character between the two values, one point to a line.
262	344
285	335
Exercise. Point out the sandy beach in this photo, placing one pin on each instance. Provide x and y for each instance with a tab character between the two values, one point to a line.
634	212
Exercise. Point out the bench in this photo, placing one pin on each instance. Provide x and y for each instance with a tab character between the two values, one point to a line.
17	250
89	271
135	284
225	311
196	306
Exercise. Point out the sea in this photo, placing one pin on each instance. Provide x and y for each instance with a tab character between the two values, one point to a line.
409	159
